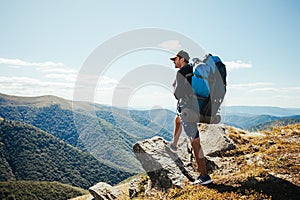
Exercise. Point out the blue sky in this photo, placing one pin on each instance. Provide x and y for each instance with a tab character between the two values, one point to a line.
44	45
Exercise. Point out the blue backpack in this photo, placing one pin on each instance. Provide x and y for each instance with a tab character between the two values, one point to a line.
209	85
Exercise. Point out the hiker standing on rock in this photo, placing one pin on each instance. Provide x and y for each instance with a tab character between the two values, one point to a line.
184	93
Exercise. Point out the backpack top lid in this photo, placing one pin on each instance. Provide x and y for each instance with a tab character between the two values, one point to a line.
204	65
216	59
209	61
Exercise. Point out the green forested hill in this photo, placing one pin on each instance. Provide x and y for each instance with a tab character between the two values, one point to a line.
108	133
246	121
31	154
29	190
51	119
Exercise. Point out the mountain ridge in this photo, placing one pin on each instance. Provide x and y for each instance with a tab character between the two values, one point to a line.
254	122
262	110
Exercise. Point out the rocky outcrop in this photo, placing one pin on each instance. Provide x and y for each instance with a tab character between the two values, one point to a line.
104	191
167	169
249	167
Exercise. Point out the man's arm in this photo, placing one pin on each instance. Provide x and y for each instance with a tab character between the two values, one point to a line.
182	86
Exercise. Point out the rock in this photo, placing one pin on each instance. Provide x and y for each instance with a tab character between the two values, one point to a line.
104	191
214	140
167	169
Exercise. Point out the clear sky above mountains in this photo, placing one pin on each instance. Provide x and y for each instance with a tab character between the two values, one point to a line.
44	45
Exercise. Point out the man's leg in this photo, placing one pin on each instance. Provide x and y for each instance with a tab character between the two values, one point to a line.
192	131
204	178
177	130
199	156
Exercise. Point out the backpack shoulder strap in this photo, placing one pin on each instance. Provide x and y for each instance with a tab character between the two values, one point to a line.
191	73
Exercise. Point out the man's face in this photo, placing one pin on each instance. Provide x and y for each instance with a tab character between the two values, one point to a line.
178	62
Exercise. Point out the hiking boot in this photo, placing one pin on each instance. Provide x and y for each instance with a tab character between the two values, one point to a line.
203	180
172	147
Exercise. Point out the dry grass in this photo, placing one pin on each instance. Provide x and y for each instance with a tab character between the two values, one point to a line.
201	192
261	167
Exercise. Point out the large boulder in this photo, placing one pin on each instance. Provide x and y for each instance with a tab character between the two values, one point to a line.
164	167
167	169
214	139
104	191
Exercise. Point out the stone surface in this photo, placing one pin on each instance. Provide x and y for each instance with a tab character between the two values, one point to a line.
164	167
104	191
214	140
167	169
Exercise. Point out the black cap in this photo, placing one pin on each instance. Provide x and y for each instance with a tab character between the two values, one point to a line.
181	54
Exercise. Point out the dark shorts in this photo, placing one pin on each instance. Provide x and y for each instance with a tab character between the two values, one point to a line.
191	129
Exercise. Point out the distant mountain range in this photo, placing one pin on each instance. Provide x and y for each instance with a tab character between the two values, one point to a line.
258	117
258	122
261	110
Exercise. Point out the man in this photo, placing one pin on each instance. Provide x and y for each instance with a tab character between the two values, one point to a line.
184	94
